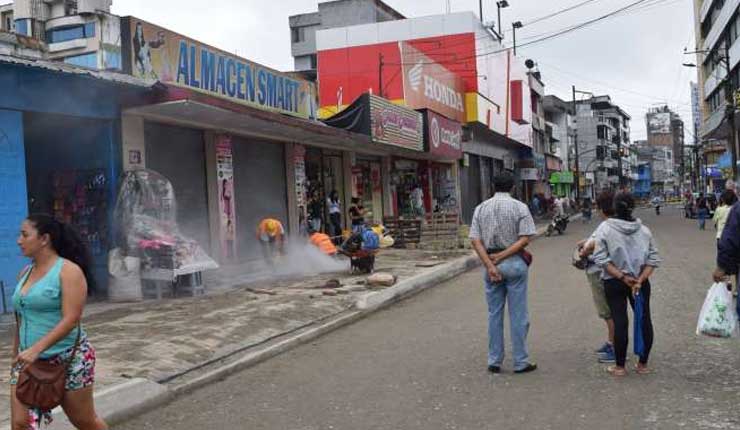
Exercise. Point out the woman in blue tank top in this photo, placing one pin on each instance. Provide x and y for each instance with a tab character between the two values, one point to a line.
49	301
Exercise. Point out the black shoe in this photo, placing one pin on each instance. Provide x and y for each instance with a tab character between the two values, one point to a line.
530	367
494	369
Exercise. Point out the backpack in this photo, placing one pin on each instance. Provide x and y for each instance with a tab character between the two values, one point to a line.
370	240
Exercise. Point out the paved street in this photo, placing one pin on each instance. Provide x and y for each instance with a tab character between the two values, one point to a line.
421	363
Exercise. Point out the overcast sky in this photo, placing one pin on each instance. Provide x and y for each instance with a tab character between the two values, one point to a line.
634	57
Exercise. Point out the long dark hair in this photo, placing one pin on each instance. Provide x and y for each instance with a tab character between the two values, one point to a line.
624	204
66	241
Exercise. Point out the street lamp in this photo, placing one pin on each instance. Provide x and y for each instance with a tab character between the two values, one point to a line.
514	26
731	108
500	5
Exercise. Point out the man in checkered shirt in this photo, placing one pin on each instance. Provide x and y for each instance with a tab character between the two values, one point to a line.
501	229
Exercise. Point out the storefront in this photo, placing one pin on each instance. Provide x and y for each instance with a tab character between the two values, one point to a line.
562	183
395	132
324	176
60	154
367	186
443	143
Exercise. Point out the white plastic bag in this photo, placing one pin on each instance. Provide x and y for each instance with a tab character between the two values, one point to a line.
718	317
125	280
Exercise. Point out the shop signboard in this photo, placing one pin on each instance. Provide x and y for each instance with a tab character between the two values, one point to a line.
659	123
529	174
152	52
395	125
428	84
226	204
442	137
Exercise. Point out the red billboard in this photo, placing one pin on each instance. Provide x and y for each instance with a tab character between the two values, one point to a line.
443	136
428	85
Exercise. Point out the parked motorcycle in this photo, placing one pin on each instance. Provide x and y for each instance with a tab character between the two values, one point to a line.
559	224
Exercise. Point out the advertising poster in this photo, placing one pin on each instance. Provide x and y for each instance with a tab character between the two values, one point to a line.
299	165
395	125
226	204
170	58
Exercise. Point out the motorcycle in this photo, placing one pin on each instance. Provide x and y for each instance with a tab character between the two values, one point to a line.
559	224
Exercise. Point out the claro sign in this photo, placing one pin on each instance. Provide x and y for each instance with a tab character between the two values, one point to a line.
429	85
443	137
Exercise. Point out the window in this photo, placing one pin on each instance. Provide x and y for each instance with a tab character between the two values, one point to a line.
314	61
85	60
64	34
23	26
298	34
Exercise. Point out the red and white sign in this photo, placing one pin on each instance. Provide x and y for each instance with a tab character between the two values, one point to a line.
443	136
429	85
395	125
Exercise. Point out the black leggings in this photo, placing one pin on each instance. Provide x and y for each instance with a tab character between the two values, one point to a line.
617	294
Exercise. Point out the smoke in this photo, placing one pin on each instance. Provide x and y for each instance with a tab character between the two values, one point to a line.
302	258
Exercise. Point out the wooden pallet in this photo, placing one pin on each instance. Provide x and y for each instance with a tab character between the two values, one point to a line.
441	230
404	231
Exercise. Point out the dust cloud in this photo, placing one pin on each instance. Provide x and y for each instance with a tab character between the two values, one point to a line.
302	258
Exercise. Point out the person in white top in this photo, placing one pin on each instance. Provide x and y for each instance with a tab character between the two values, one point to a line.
335	215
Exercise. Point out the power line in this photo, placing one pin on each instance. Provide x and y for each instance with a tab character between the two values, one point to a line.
560	12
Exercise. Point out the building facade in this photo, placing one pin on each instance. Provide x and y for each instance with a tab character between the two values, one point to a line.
665	128
717	29
559	135
81	32
603	139
332	14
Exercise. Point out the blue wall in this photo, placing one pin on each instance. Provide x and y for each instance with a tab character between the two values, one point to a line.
13	206
55	121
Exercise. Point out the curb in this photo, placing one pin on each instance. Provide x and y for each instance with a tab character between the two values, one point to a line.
121	402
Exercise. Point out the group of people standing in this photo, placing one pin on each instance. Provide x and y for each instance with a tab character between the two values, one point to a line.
621	257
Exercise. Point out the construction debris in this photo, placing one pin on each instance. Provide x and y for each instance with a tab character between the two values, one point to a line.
381	279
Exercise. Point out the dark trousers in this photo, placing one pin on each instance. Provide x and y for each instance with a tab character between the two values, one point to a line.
336	224
617	295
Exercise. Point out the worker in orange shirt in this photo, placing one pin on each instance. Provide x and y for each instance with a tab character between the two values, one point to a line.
271	236
323	242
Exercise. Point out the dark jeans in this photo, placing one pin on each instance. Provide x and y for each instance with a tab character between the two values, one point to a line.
617	295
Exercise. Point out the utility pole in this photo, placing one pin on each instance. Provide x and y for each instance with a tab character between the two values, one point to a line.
730	96
575	144
380	75
480	8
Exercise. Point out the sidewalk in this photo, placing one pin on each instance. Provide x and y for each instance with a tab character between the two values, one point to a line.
174	342
157	340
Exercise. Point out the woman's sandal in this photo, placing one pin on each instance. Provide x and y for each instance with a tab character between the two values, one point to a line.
616	371
642	370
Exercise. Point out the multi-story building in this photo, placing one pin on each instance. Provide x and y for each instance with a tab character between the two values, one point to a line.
660	160
332	14
665	128
78	32
603	138
560	133
717	28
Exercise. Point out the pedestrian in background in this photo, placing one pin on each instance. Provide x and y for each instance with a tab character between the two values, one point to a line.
702	210
335	216
605	202
500	231
356	215
726	200
49	300
627	255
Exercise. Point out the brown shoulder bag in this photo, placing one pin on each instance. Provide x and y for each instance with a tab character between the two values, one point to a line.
42	383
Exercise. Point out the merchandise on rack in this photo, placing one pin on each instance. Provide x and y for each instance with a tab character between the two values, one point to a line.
146	217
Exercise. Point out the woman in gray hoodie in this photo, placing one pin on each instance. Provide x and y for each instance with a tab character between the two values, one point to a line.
627	255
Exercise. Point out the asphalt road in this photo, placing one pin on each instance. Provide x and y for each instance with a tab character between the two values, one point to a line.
421	364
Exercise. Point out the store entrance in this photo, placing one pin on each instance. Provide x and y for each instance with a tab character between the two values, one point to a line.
72	176
323	177
368	187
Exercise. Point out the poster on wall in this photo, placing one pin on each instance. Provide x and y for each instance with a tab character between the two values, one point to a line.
154	52
299	166
226	204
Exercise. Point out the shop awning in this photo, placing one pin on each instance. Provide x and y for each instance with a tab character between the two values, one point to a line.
190	109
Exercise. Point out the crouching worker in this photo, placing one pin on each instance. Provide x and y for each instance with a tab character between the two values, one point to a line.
271	236
323	242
